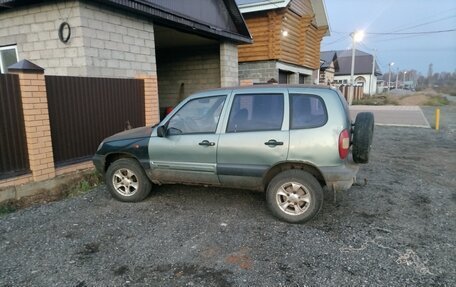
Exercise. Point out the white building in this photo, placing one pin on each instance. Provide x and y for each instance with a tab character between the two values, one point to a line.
364	75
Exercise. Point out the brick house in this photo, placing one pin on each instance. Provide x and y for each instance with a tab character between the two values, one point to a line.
181	46
287	36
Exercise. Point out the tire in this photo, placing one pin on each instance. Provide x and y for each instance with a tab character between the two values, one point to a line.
127	181
362	137
294	196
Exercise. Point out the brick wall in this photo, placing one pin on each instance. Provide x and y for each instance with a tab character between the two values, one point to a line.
35	31
104	42
116	45
229	65
182	72
258	72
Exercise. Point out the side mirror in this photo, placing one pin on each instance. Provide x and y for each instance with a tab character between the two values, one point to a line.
161	131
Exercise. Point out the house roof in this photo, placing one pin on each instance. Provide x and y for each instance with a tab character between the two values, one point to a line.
328	57
363	63
321	17
207	18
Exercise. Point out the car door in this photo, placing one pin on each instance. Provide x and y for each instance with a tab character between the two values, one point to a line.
255	137
187	151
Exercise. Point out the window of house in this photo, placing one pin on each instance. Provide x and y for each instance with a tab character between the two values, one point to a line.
256	112
307	111
8	56
197	116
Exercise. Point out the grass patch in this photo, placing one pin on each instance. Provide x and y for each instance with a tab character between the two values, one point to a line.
6	208
377	101
437	101
73	187
90	181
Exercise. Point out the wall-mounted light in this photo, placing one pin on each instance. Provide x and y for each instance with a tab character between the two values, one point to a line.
284	33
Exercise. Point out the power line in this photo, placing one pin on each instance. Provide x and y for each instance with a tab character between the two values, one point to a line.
335	41
427	18
425	23
411	33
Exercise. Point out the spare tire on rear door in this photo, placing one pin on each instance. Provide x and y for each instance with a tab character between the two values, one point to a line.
362	137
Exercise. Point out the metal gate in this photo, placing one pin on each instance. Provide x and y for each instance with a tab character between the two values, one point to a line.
13	142
83	111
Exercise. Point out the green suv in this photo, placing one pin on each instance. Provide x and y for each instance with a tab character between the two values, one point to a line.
289	141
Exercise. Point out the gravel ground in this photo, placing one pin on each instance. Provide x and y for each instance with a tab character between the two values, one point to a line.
398	230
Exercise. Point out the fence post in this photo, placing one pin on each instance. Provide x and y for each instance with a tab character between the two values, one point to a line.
36	119
151	104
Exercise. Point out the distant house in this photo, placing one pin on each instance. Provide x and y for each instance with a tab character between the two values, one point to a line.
328	67
183	45
286	40
364	75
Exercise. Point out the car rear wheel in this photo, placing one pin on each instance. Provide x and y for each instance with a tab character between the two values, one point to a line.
127	180
362	137
294	196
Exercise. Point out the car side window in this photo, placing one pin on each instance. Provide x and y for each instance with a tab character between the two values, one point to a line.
256	112
197	116
307	111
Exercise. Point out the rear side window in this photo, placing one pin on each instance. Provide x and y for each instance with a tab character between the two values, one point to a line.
307	111
256	112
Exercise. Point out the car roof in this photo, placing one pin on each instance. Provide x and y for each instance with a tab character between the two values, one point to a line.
270	86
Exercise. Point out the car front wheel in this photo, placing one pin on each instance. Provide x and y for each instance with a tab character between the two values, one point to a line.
127	181
294	196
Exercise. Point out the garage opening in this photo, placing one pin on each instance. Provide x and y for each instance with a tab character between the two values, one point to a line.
186	63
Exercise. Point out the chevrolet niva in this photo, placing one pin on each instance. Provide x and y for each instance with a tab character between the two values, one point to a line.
289	141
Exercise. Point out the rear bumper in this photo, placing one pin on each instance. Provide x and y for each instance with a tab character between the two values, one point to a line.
340	178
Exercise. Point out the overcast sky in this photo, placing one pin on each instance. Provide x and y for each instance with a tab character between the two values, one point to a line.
397	16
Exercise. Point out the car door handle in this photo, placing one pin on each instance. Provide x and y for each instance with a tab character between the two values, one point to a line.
207	143
273	143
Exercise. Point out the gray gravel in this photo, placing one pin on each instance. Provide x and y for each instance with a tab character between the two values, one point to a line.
398	230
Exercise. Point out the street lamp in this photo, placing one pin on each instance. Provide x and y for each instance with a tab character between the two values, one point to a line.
389	76
356	37
403	80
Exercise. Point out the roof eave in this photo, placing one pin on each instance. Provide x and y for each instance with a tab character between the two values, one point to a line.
321	16
263	6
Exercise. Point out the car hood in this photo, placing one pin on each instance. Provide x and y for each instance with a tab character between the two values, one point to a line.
141	132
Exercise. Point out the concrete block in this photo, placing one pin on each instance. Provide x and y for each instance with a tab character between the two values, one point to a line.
115	37
118	55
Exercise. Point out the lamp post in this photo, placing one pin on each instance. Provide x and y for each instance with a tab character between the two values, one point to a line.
403	80
356	37
389	76
397	76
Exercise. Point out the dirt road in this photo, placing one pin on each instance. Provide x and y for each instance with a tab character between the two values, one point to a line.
398	230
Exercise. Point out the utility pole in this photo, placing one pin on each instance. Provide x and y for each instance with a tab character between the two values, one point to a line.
371	83
403	80
397	77
356	37
430	75
389	76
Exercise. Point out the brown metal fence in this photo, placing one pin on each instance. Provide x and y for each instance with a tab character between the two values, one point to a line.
83	111
358	93
13	142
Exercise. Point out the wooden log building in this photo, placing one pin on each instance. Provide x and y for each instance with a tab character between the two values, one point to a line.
286	40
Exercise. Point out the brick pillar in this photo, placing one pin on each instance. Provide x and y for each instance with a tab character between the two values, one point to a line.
36	119
229	65
152	110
